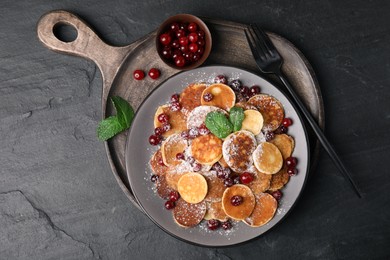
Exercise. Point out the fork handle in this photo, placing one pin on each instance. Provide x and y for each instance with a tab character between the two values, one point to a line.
324	141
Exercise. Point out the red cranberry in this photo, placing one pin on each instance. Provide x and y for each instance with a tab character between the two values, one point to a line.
196	167
192	27
269	136
246	178
183	40
292	171
226	225
175	44
227	172
158	131
228	182
184	49
193	47
196	57
203	130
189	56
175	106
255	90
154	73
183	26
161	162
287	122
163	118
200	50
167	53
193	37
193	133
138	74
208	97
291	162
169	205
245	91
174	196
277	194
236	200
180	33
213	224
185	135
166	127
236	85
221	174
180	156
180	61
217	167
281	130
175	98
220	79
201	33
154	140
174	27
201	42
177	53
240	97
165	39
154	178
236	179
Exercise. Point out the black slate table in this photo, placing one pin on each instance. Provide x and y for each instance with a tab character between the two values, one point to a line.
59	200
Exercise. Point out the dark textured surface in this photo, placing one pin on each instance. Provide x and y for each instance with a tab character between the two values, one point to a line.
58	198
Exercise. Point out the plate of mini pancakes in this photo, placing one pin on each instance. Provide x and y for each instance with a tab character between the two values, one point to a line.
208	188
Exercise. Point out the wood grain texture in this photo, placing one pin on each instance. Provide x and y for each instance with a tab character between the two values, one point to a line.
58	198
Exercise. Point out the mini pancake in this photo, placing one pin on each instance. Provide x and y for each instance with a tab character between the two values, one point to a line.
187	214
264	210
271	109
237	150
223	96
191	96
192	187
206	149
253	121
198	115
267	158
261	181
177	120
285	143
215	185
172	177
243	210
163	189
173	145
244	105
215	211
279	179
155	165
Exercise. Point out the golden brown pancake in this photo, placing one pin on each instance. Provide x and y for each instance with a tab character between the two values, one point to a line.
173	145
155	165
244	105
271	109
215	185
243	210
206	149
172	177
163	189
198	115
215	211
223	96
264	210
267	158
285	143
192	187
177	120
187	214
261	181
191	96
279	179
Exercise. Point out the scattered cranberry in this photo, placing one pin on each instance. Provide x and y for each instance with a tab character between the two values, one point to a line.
240	97
165	39
208	97
220	79
175	98
213	224
154	73
292	171
196	167
291	162
166	127
180	61
174	196
158	131
236	179
255	90
216	166
269	136
236	200
154	140
228	182
190	160
192	27
169	205
226	225
193	37
193	133
246	178
180	156
175	106
161	162
277	194
138	74
185	135
287	122
245	91
281	130
154	178
163	118
221	174
203	130
236	85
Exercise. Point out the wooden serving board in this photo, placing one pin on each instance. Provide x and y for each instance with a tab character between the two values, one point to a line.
118	63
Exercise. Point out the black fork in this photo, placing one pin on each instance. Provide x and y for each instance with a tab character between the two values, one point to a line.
269	61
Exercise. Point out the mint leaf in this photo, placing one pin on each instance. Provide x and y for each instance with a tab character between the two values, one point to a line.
218	124
124	111
236	117
109	127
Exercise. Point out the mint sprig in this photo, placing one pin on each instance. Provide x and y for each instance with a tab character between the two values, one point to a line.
236	116
113	125
218	124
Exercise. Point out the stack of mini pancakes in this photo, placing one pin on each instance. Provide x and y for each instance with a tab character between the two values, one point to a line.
203	194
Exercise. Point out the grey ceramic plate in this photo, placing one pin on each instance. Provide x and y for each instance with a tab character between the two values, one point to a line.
139	151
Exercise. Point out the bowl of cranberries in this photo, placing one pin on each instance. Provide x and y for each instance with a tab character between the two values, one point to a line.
183	41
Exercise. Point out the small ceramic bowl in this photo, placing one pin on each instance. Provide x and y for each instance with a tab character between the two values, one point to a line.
183	19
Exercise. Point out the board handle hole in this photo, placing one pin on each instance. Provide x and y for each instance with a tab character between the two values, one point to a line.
65	32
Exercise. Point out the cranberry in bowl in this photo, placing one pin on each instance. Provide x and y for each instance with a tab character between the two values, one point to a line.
183	41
